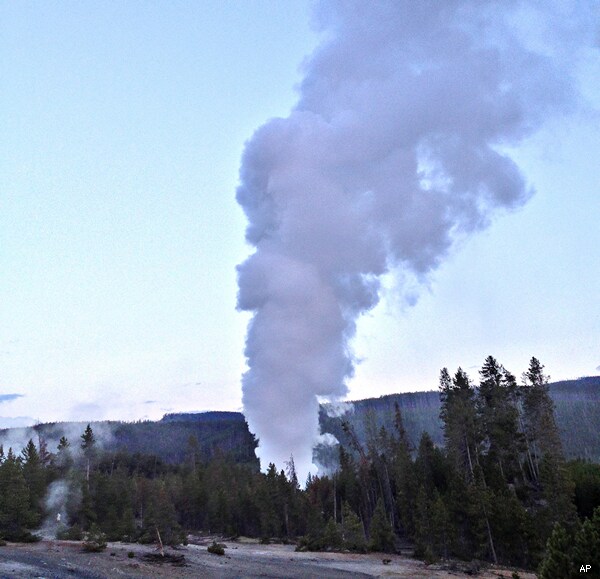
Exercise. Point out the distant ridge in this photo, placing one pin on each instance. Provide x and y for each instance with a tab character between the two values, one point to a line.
207	416
224	433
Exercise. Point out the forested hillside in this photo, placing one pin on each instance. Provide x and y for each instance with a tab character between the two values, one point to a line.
498	489
577	409
213	434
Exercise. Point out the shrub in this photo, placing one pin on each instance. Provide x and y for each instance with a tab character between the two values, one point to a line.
216	548
95	540
73	533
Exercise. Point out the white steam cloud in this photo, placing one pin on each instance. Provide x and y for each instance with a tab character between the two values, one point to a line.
395	150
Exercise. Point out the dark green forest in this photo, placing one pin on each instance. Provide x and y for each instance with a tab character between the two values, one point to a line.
577	412
493	483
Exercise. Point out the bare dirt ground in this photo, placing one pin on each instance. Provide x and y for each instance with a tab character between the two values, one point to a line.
243	559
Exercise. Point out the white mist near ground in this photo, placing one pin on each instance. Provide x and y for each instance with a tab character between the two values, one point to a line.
397	148
55	503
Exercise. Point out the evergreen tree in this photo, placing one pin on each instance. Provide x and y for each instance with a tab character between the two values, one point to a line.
347	481
441	525
271	505
315	526
88	440
404	477
332	535
558	562
514	530
431	468
433	528
548	463
586	478
462	429
423	527
161	517
353	532
88	446
15	510
35	478
63	459
538	416
464	437
586	550
381	533
499	420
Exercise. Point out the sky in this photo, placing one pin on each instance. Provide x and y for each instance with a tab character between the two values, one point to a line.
122	128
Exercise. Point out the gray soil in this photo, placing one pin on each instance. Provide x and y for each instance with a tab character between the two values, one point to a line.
243	559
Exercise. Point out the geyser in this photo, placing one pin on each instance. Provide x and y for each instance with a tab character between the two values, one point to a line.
397	148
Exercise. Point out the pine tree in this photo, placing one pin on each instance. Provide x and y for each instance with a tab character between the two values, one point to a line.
586	550
63	459
464	437
558	563
88	446
404	477
88	440
538	416
347	481
381	533
462	429
353	532
549	465
15	511
270	504
442	528
161	517
332	535
423	526
35	478
499	420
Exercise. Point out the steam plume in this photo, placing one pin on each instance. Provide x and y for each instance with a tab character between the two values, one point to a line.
395	150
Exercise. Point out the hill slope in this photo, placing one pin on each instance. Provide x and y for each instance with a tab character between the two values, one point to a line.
173	438
226	433
577	405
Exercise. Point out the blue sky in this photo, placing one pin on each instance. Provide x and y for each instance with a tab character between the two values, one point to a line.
121	131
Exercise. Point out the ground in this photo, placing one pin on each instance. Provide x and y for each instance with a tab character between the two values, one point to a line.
243	559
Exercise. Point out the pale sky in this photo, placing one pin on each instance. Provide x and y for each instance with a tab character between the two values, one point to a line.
122	128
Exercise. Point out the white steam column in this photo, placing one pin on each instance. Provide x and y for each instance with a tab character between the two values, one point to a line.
394	151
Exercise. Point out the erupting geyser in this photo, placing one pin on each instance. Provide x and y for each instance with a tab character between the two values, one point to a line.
396	148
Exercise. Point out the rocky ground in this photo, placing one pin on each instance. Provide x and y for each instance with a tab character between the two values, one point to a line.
243	559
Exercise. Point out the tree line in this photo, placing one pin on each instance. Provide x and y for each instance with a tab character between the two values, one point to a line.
499	489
